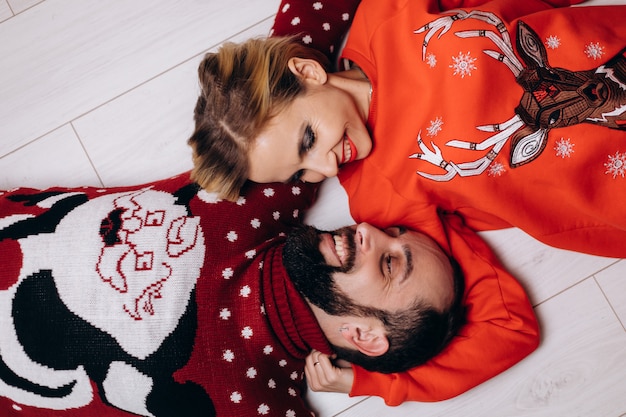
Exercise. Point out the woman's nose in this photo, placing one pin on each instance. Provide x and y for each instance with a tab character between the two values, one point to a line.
320	170
329	166
328	163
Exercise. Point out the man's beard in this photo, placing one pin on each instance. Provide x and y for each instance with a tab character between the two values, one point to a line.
310	273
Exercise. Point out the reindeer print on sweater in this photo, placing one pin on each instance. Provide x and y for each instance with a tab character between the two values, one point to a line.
510	114
552	97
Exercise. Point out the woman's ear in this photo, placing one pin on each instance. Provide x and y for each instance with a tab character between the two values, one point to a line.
369	341
308	69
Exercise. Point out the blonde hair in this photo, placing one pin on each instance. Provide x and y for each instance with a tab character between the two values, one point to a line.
242	87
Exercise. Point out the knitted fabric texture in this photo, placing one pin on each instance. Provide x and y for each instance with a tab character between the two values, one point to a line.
151	300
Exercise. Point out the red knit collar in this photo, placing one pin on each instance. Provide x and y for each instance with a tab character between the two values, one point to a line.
290	316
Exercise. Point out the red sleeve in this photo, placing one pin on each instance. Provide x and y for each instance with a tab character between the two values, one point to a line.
501	330
321	25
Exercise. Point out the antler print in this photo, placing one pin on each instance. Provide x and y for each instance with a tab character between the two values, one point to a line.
552	98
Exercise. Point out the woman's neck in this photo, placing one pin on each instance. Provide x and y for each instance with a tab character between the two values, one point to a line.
355	83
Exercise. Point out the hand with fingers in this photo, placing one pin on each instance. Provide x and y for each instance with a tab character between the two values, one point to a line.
323	374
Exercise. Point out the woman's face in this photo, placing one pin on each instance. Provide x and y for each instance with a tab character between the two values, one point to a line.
311	138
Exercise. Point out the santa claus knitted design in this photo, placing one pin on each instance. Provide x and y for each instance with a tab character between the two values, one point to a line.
148	300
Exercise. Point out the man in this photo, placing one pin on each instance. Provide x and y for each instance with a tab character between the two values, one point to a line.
161	300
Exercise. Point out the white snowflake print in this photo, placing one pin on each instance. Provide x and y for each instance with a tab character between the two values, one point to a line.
463	64
616	165
326	27
225	314
318	5
296	213
435	127
292	392
261	265
210	198
262	309
290	413
263	409
286	7
293	376
276	215
282	363
245	291
228	355
228	273
232	236
251	373
269	192
255	223
295	190
236	397
268	349
307	39
345	17
295	21
251	254
247	332
271	384
564	148
241	201
553	42
431	60
496	169
594	50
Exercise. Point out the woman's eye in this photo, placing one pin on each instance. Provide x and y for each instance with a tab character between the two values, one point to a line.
308	140
297	177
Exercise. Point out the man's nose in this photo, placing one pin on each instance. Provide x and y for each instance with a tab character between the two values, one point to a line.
366	237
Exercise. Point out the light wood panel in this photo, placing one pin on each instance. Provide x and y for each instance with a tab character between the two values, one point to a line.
5	11
56	159
19	6
67	57
613	284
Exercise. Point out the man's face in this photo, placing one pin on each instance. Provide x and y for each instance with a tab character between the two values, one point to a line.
361	265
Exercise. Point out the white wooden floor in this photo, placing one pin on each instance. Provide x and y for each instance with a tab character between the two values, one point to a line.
101	93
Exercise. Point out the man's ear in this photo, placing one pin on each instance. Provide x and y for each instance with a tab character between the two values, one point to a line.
369	341
308	69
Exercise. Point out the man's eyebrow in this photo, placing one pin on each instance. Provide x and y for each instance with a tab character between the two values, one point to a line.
408	266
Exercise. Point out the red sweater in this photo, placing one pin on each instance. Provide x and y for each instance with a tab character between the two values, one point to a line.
152	299
441	105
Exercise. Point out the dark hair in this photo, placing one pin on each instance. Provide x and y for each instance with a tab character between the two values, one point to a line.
415	335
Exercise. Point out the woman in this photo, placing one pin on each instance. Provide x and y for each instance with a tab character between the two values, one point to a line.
302	128
519	105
